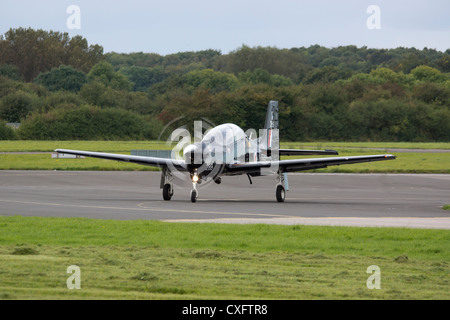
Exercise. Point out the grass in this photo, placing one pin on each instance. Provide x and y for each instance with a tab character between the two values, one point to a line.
103	146
158	260
45	162
126	146
446	207
405	163
378	145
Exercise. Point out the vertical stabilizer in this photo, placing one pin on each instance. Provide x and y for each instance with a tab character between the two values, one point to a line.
271	125
272	115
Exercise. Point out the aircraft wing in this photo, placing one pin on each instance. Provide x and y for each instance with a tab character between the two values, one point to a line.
148	161
302	164
301	152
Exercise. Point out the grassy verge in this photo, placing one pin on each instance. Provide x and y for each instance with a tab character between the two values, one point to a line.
405	163
45	162
102	146
126	146
157	260
362	145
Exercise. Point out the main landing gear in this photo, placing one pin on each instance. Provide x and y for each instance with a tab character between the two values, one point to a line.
167	192
166	185
280	193
282	186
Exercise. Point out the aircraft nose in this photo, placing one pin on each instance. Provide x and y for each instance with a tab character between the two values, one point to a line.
190	149
193	154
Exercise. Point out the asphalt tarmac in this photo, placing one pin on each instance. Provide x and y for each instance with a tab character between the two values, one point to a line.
385	200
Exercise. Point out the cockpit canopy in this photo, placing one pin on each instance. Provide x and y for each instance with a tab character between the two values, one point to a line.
224	135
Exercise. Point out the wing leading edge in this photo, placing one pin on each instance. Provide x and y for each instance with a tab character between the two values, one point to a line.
303	164
293	165
301	152
148	161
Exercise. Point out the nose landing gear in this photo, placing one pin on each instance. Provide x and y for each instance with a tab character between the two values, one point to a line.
194	192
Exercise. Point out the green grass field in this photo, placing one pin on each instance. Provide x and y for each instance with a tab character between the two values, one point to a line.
126	146
160	260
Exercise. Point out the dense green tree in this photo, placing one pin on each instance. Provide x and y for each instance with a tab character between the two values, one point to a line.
284	62
326	74
92	92
263	76
86	122
142	77
432	93
15	106
104	73
429	74
10	71
341	93
7	133
62	78
211	80
37	51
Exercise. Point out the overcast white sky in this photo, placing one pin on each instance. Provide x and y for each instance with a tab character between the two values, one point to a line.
172	26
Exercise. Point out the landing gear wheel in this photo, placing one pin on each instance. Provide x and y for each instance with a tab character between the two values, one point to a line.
167	192
280	193
194	195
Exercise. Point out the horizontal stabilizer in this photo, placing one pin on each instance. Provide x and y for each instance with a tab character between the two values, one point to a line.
301	152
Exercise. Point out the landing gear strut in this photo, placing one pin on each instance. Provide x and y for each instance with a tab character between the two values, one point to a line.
282	187
166	185
194	192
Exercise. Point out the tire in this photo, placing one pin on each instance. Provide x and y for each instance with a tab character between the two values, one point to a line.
194	195
280	193
167	195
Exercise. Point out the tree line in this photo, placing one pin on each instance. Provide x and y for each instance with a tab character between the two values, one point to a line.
59	87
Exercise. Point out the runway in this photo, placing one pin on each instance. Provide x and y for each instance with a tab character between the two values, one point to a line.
396	200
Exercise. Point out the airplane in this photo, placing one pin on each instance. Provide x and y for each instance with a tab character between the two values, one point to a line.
226	150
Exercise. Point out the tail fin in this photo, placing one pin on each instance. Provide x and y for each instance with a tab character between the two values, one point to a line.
272	115
271	123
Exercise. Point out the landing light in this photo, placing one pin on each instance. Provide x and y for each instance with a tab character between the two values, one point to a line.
195	178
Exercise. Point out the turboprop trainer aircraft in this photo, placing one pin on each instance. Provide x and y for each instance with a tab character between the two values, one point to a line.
228	150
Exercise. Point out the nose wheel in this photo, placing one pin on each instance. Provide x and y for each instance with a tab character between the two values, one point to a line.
194	195
194	192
